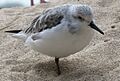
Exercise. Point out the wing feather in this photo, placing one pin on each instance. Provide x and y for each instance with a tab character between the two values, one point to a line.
46	20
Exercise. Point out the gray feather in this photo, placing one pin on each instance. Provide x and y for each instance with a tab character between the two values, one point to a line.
48	19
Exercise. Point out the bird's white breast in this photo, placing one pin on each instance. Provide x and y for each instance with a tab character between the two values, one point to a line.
59	42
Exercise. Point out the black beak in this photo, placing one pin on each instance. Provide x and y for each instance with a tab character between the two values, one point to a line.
92	25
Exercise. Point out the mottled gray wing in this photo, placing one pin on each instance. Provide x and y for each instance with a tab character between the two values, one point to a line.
46	20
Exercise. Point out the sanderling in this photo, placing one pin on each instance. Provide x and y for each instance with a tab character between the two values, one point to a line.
60	31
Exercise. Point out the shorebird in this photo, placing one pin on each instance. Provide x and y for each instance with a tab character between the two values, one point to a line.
60	31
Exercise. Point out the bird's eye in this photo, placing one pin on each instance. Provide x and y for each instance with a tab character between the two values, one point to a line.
79	17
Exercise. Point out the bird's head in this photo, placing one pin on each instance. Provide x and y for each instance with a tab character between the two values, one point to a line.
83	13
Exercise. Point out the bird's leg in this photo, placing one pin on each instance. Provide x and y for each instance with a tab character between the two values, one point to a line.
57	63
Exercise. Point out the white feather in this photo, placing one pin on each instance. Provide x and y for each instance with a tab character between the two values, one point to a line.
21	35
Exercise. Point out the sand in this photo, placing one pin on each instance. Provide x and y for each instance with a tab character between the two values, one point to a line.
100	61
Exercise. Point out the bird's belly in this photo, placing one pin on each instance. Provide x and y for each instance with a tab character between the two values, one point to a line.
62	44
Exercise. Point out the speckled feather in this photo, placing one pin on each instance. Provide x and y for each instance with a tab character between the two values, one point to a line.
48	19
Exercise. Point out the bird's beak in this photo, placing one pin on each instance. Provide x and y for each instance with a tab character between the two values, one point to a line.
92	25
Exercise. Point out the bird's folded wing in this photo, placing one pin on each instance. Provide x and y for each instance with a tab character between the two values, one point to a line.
46	20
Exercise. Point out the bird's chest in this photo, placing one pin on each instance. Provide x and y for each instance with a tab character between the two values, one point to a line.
63	43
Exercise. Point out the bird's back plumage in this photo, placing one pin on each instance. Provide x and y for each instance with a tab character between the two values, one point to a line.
48	19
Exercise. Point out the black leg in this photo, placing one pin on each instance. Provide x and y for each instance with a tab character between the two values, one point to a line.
57	63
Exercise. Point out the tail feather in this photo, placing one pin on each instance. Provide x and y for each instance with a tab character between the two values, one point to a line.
18	34
13	31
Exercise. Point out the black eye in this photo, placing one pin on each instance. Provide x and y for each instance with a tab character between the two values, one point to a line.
80	18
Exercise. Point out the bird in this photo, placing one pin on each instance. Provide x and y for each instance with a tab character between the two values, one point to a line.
60	31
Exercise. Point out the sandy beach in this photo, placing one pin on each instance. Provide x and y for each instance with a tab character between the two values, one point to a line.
100	61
